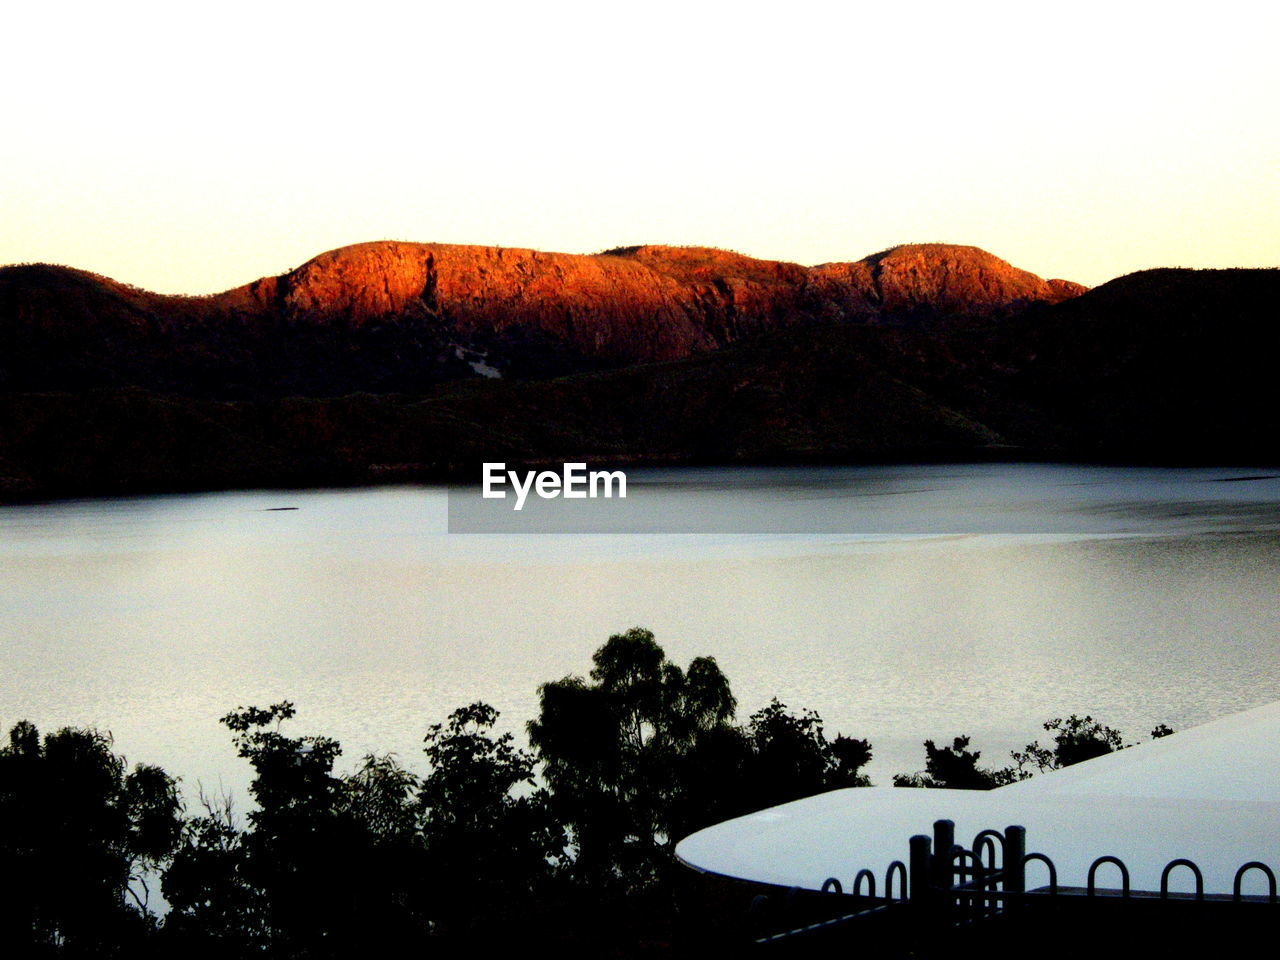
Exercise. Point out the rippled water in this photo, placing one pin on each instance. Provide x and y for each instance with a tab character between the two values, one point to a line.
1139	596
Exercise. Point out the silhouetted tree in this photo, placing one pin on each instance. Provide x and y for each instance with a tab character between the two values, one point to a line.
491	842
214	908
793	758
646	753
778	756
955	768
79	836
1074	740
327	865
612	750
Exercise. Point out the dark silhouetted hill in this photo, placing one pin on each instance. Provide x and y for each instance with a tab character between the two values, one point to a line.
373	363
1164	363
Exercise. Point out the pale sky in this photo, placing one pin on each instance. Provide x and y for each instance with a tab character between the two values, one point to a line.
195	147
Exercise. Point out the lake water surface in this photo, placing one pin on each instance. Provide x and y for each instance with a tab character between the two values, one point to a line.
1139	596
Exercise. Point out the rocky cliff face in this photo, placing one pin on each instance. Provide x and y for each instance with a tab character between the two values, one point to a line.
395	316
609	308
653	302
931	282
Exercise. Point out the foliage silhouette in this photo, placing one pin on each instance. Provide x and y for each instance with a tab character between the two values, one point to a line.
646	753
79	834
612	751
215	910
490	837
955	768
323	867
1074	740
793	757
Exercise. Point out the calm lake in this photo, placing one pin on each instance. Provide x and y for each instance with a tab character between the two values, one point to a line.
901	603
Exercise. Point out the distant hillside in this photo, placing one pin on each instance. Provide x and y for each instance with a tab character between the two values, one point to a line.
1167	362
831	393
392	316
929	352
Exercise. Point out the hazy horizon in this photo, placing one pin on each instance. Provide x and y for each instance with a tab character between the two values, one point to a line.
191	151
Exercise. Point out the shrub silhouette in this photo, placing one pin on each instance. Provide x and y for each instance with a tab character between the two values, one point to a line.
79	836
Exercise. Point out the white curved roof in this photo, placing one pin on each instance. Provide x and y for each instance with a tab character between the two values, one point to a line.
1210	794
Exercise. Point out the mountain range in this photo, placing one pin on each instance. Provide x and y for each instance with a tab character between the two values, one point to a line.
399	316
393	360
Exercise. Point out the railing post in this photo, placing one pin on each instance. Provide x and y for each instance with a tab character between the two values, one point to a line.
1015	867
924	899
921	867
944	843
943	875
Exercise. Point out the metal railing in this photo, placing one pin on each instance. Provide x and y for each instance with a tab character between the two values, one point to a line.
946	887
